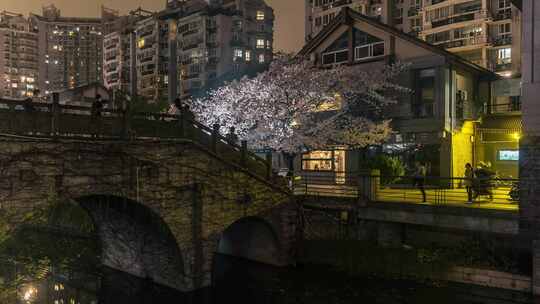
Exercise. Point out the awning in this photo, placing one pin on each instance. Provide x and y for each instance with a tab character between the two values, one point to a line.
501	124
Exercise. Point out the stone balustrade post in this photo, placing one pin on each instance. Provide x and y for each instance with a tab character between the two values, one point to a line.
243	153
55	114
369	182
182	124
215	136
268	165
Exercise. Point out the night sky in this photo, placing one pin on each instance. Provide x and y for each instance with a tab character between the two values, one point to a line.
289	30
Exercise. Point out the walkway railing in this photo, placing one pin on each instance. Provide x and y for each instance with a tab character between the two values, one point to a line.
53	120
494	193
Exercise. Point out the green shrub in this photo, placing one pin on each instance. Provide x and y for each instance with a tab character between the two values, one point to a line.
391	167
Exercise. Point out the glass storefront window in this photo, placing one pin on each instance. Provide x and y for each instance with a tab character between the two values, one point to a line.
318	161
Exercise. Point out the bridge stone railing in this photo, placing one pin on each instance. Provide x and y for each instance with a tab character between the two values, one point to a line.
57	121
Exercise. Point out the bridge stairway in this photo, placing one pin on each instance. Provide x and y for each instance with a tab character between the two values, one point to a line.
56	121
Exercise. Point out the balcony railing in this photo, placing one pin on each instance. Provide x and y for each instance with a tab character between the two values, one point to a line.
413	11
512	107
502	40
452	20
463	42
487	191
499	67
503	15
335	4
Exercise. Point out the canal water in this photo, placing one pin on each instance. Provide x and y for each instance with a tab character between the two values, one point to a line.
48	267
239	281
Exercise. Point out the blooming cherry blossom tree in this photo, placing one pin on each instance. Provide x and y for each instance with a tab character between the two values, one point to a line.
296	106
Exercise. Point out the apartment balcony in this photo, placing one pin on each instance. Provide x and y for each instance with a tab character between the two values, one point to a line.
192	76
413	11
145	33
500	67
148	72
213	60
191	46
453	20
110	57
500	41
432	2
237	43
337	3
503	16
146	59
472	41
513	107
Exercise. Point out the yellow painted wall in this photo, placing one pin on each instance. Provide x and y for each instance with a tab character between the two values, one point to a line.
462	149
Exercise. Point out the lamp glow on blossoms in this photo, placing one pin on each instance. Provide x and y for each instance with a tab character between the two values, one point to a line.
296	106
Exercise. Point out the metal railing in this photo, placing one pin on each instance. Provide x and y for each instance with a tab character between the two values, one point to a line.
53	120
512	107
492	192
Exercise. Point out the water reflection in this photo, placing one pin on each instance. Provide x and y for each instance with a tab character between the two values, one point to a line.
48	268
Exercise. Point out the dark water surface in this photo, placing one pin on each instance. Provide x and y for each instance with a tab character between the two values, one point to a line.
241	281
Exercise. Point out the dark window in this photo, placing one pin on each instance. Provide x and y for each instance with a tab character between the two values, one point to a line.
425	97
335	57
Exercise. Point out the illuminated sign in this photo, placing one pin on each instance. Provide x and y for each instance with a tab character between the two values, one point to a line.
512	155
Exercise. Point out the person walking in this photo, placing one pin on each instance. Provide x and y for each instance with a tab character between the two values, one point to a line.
420	178
468	182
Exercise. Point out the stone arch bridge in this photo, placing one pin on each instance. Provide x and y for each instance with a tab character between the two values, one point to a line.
164	192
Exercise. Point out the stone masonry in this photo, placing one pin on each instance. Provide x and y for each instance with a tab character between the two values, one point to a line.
192	191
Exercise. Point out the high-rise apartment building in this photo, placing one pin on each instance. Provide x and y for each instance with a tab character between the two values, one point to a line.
120	52
222	42
189	46
485	32
18	56
70	50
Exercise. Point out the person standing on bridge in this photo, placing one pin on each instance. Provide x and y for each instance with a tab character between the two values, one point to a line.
420	179
97	107
231	136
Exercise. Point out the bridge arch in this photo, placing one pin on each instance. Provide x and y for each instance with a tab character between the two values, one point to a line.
251	238
135	239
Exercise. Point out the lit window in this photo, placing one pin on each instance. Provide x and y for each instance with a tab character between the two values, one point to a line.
261	58
504	55
260	15
238	53
248	55
318	161
14	85
260	43
140	43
